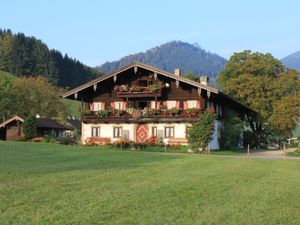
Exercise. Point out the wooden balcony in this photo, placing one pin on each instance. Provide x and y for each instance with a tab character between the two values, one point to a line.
126	118
140	94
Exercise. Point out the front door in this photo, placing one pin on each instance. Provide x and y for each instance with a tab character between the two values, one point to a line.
141	133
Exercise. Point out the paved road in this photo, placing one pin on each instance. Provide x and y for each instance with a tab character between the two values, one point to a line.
278	154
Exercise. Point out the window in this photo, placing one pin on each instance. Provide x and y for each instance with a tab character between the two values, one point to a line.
117	132
99	106
171	104
154	131
95	131
120	105
153	106
220	111
169	132
187	131
192	104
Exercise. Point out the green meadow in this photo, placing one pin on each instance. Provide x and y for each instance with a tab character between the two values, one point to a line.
55	184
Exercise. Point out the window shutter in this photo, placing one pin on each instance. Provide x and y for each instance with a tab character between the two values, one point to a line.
177	104
102	106
92	106
158	105
124	105
112	104
185	104
198	104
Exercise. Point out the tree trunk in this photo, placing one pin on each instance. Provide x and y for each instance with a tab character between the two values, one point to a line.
256	128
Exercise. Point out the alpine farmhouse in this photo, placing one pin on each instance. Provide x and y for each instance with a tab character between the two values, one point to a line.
141	102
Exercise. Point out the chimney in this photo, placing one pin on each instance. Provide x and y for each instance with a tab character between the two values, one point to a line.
204	80
177	71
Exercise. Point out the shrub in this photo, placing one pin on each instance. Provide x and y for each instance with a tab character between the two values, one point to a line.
49	139
200	132
122	143
20	138
136	146
66	140
29	127
37	139
152	141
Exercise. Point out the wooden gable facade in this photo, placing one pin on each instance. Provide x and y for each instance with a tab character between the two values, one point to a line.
104	91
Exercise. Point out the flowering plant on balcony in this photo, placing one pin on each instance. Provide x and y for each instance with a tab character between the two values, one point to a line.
135	88
130	110
145	112
164	108
192	111
174	111
123	88
103	113
156	111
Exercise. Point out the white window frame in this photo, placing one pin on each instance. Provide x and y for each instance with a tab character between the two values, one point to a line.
119	105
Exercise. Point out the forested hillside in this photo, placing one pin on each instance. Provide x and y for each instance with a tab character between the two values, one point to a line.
292	60
28	56
175	54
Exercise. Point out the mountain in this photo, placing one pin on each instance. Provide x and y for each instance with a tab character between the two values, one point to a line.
175	54
292	60
27	56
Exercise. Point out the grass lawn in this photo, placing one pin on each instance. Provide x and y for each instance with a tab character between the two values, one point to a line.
54	184
296	154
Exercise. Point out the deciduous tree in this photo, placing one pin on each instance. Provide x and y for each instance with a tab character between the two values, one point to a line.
35	95
261	82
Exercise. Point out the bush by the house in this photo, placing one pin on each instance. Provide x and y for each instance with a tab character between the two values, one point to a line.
68	139
201	131
37	139
125	143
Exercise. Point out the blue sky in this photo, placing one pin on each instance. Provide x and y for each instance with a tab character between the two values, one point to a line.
98	31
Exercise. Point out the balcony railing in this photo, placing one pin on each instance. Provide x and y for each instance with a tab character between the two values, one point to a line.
125	91
145	116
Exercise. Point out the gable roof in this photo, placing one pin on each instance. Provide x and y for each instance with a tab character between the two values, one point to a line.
157	71
15	118
40	123
49	123
140	65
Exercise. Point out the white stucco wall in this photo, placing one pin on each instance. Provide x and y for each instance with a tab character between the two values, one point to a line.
214	143
106	130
